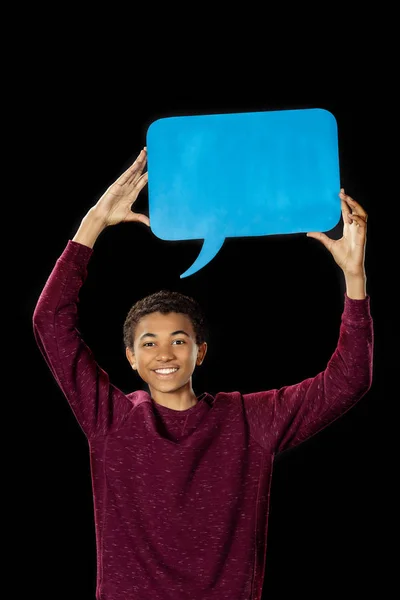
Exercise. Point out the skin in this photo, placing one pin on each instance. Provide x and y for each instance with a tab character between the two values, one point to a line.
167	341
115	206
349	251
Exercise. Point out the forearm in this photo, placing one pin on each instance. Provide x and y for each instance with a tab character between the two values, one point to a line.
90	228
356	286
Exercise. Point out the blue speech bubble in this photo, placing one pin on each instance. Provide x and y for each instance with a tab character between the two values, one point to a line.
242	174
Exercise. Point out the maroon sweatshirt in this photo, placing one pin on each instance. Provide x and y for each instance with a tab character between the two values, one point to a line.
181	497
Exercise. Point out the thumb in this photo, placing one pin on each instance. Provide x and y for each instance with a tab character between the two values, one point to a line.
317	235
137	217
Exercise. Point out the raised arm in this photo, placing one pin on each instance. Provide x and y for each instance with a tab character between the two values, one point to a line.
281	419
98	405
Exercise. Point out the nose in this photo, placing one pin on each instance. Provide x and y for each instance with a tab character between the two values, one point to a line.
165	354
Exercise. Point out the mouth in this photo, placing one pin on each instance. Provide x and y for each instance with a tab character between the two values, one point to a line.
166	373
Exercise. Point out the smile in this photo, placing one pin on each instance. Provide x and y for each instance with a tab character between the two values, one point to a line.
165	372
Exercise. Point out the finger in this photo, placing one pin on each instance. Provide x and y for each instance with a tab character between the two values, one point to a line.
356	208
345	212
141	182
136	173
136	166
359	221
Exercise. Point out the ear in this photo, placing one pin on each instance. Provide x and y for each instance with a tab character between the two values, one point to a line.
131	357
202	351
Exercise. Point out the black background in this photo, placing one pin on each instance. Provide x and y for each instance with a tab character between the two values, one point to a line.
274	305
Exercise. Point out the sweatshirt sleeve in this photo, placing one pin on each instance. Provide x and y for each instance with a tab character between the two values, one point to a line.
98	406
281	419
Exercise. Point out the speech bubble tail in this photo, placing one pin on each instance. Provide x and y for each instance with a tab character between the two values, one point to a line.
209	249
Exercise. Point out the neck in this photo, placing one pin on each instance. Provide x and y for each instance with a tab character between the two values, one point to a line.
178	400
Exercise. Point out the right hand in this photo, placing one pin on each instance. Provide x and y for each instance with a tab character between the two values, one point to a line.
115	204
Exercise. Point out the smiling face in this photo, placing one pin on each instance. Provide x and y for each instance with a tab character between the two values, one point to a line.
165	352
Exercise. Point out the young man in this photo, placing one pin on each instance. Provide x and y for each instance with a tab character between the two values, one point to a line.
181	483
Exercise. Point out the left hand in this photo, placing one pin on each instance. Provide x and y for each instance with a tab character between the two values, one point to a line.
349	250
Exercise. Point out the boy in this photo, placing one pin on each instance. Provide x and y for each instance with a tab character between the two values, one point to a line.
181	483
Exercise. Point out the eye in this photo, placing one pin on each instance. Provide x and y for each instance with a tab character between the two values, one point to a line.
179	342
146	344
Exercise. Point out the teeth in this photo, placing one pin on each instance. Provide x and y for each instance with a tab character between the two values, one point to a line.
166	371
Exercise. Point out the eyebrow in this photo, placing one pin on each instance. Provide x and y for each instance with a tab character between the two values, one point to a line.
153	335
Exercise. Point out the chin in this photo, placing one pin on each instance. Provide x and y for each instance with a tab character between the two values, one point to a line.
165	389
168	387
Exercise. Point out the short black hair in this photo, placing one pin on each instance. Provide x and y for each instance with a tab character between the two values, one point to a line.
165	302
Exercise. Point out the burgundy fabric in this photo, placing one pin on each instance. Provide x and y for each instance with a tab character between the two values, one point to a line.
181	498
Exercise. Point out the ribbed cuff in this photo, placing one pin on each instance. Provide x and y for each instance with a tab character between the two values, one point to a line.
356	310
76	253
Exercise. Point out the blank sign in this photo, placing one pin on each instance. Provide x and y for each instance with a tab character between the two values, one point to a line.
242	174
